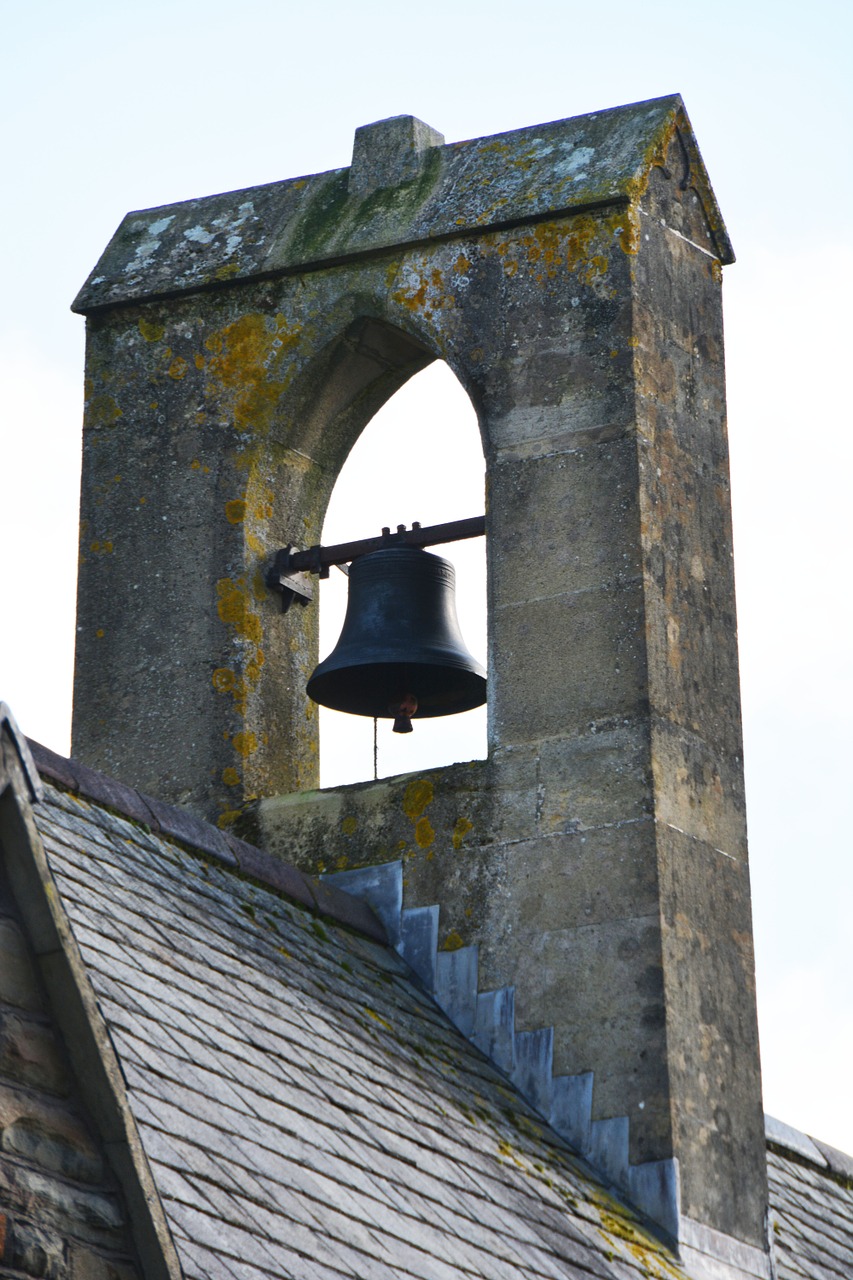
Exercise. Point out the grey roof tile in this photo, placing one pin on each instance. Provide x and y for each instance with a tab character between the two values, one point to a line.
811	1214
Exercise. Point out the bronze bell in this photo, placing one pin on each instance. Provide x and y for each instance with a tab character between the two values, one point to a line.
400	653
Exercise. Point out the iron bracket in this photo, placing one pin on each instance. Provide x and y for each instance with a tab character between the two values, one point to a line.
291	585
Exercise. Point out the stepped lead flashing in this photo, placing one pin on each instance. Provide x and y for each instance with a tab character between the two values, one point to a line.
437	192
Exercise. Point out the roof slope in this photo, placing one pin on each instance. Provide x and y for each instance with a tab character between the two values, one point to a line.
811	1197
306	1108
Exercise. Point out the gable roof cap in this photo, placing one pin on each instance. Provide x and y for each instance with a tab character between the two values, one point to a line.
563	167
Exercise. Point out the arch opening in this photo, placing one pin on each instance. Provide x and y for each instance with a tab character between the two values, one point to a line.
419	458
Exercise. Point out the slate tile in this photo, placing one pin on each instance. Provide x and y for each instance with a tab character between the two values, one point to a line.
184	1157
226	1148
358	1263
312	1269
198	1263
174	1186
226	1238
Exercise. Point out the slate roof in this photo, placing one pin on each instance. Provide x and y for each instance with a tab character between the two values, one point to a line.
811	1199
306	1108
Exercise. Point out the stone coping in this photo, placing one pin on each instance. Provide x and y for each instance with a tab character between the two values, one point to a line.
386	201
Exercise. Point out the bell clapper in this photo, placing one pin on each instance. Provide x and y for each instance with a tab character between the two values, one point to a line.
402	712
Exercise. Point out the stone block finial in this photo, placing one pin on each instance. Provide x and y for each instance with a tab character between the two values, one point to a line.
389	152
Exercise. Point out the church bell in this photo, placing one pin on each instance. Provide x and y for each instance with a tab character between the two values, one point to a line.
400	653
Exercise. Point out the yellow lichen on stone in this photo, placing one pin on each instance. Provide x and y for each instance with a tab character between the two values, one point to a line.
150	329
349	825
253	667
227	271
228	818
223	679
235	511
453	941
245	743
235	610
244	363
417	796
102	411
424	833
231	777
423	290
371	1013
178	368
460	830
627	230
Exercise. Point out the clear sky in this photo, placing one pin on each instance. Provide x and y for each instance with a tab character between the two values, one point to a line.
108	107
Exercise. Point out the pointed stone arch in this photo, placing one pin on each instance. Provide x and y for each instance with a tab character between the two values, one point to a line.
419	458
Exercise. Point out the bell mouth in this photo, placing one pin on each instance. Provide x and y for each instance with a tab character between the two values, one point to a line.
377	689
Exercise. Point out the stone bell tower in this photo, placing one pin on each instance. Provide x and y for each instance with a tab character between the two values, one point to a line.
588	881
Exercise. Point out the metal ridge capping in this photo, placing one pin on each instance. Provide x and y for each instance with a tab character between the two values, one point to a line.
201	837
802	1147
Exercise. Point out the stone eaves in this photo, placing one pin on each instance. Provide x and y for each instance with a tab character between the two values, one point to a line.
585	162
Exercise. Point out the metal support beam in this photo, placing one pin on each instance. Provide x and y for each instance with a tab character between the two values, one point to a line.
290	571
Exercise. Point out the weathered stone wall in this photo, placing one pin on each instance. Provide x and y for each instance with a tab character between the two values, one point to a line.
696	744
61	1214
215	429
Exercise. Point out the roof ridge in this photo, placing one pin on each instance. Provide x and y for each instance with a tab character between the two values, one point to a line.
800	1146
201	837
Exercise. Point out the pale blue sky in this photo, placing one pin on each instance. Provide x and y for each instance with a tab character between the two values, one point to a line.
109	107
